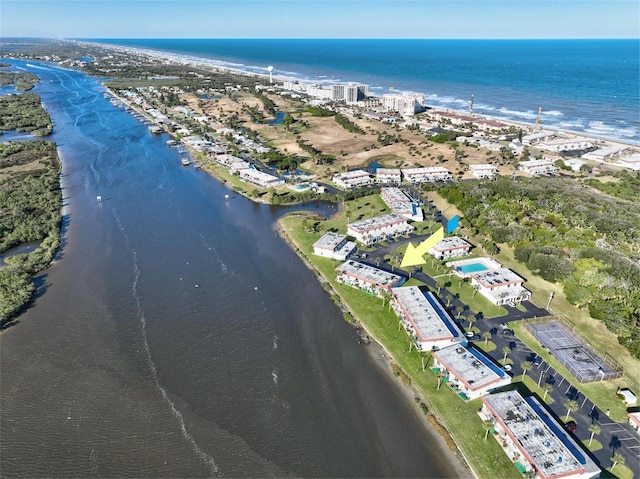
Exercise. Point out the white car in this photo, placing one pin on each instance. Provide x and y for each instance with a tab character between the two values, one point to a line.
507	367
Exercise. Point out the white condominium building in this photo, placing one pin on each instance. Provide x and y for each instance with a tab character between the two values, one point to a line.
405	104
334	246
537	137
367	278
604	154
400	203
500	286
451	247
258	178
349	92
388	175
380	228
352	179
424	318
469	372
484	170
532	437
538	167
429	173
566	144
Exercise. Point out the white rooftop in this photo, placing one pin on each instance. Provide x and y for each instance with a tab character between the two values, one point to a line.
470	366
388	171
551	450
394	194
427	316
351	174
452	242
425	170
330	240
369	274
496	277
532	163
376	222
482	167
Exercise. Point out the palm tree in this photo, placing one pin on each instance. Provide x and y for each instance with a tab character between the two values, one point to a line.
488	426
526	366
547	389
571	406
471	319
617	458
506	350
593	429
423	354
441	375
486	336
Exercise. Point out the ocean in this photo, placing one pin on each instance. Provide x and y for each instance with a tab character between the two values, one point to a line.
584	86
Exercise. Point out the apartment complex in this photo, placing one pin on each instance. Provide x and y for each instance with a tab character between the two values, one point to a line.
424	318
367	278
534	439
334	245
379	228
468	372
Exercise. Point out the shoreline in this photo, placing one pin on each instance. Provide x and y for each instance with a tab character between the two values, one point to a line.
220	65
384	360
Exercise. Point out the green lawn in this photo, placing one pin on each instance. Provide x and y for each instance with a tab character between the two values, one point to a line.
486	458
621	471
595	445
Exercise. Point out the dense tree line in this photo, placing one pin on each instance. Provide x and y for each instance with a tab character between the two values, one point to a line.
319	111
30	210
348	125
24	112
444	136
267	103
567	233
282	161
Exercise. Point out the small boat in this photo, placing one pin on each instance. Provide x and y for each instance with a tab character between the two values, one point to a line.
172	142
185	161
197	164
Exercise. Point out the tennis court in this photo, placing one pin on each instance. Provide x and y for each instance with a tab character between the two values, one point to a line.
574	354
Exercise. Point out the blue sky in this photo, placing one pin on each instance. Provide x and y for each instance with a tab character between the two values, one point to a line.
320	18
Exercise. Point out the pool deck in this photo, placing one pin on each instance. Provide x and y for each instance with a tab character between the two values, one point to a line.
488	263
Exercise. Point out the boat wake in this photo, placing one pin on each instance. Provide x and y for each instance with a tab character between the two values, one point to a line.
206	458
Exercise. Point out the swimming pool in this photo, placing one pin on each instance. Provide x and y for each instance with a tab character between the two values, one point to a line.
472	268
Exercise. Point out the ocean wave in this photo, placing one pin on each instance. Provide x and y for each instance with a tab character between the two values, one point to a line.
528	115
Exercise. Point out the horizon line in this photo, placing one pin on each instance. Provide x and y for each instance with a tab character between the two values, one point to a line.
327	38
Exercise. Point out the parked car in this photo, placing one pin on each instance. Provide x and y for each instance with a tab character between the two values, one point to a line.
504	325
507	367
537	361
508	332
571	426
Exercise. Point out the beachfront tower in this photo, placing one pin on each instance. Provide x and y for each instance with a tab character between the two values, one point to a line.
270	70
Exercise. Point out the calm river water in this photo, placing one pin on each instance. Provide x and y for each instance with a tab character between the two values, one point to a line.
178	336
